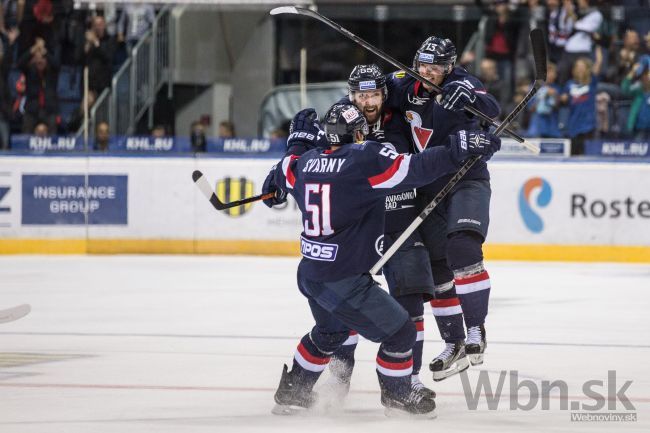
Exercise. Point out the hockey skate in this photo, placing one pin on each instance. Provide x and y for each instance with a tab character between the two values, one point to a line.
290	398
451	361
418	386
412	404
476	344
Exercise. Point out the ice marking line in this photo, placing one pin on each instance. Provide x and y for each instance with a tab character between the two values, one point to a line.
243	389
280	337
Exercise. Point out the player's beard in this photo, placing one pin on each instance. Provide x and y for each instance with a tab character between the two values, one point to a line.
373	115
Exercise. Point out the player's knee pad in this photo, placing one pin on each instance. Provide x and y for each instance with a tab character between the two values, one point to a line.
413	304
328	342
402	341
464	248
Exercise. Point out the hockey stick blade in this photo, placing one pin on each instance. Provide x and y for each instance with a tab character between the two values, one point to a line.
14	313
539	53
284	10
461	172
294	10
202	183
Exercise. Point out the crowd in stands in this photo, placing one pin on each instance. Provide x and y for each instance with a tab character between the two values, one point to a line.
44	45
598	78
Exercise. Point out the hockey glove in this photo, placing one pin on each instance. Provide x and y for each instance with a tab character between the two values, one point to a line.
464	144
305	133
270	186
457	94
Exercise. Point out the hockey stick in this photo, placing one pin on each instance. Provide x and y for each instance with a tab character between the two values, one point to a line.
313	14
539	55
14	313
202	183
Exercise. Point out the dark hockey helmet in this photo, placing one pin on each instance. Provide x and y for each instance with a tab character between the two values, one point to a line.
436	51
366	77
342	121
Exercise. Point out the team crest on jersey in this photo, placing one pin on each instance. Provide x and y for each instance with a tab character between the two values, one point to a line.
379	245
421	136
235	188
416	100
399	74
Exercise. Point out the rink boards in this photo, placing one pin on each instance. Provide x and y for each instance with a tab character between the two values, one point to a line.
540	210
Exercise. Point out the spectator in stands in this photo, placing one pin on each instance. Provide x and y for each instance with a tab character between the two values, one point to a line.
102	136
625	58
38	23
5	97
197	137
560	26
544	121
580	94
637	85
159	131
98	55
41	130
489	76
588	21
41	74
500	39
281	131
134	22
226	129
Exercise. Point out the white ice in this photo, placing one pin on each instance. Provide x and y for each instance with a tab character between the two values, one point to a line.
196	344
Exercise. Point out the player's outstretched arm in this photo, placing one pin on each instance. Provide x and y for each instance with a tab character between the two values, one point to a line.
388	170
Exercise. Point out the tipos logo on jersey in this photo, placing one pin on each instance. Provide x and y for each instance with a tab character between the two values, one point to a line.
318	250
420	135
531	219
235	188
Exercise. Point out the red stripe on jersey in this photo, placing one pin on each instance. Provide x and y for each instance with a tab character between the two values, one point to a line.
291	178
419	325
311	358
353	333
395	365
473	278
390	172
439	303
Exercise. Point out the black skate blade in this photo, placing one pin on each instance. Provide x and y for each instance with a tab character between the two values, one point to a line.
393	412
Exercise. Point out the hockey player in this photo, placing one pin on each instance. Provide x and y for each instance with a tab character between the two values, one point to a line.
455	231
407	273
340	192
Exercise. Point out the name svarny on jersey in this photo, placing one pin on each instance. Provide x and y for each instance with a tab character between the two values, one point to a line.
323	165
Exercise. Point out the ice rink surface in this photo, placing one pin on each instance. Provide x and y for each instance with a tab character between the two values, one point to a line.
196	344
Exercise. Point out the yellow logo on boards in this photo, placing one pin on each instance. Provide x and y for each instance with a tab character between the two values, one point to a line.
235	188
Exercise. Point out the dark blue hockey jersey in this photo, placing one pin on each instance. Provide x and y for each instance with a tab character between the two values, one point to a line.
431	125
393	131
341	195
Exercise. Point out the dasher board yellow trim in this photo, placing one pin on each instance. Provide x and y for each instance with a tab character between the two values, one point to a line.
573	253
